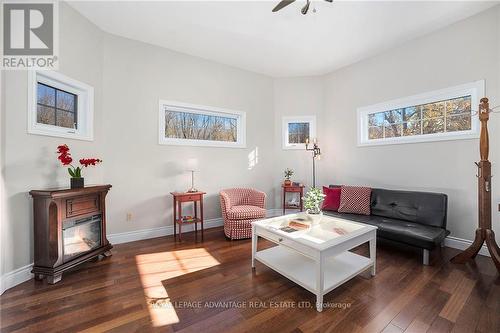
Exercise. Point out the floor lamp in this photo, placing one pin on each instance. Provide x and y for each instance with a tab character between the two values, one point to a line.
316	154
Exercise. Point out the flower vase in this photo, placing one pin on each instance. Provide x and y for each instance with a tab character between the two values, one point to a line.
77	182
315	218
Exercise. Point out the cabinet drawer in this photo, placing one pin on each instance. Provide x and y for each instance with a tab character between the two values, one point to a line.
82	205
303	249
293	189
187	198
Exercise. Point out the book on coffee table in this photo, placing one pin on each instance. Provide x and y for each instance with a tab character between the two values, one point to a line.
296	225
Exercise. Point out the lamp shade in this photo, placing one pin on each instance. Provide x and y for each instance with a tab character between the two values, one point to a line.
192	164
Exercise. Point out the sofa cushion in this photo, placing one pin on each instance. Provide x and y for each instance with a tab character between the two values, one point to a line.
332	199
415	234
355	199
419	207
244	212
368	219
410	233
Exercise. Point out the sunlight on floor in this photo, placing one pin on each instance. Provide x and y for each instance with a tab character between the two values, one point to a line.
253	158
154	268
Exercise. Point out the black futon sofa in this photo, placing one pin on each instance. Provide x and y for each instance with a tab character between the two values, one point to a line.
413	218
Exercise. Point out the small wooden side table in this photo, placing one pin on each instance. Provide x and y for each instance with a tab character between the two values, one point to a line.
293	189
179	198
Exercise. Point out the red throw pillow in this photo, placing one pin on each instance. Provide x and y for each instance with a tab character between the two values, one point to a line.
355	199
332	199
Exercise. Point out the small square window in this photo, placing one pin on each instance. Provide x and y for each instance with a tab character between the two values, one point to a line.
56	107
59	106
296	130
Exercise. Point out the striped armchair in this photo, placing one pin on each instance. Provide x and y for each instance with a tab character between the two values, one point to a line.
240	207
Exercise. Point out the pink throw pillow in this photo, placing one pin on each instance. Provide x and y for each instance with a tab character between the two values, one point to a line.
355	200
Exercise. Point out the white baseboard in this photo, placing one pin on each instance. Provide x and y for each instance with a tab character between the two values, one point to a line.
462	244
15	277
20	275
131	236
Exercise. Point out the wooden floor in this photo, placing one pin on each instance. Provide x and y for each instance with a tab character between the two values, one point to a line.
157	285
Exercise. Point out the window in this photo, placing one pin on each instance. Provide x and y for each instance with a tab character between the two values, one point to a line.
56	107
446	114
184	124
59	106
296	130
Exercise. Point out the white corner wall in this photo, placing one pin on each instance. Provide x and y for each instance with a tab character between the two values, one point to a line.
136	76
298	96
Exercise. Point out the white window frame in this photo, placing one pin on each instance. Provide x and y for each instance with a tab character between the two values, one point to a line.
85	106
205	110
298	119
474	89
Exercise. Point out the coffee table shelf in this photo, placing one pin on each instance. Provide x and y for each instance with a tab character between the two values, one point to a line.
318	257
302	270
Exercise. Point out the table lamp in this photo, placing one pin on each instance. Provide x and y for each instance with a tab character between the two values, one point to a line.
192	165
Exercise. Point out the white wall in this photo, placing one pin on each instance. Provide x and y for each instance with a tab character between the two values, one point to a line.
30	161
136	76
300	96
464	52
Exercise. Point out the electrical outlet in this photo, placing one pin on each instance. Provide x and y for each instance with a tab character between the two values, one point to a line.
129	217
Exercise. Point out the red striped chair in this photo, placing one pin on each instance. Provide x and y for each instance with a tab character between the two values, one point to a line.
240	207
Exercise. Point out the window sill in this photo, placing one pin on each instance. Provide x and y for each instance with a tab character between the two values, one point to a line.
201	143
294	147
423	139
56	134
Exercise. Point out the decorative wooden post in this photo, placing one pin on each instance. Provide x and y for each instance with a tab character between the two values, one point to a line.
484	233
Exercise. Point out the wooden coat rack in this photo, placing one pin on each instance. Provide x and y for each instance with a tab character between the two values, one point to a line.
484	233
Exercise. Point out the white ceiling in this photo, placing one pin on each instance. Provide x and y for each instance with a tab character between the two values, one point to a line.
246	34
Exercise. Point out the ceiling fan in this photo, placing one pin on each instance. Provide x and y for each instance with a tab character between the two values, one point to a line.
284	3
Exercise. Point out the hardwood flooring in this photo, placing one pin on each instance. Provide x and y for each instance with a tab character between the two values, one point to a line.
157	285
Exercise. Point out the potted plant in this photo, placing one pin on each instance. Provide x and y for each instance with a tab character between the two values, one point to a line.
288	174
312	204
76	180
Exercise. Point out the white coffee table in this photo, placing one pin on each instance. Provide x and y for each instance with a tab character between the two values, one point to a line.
317	258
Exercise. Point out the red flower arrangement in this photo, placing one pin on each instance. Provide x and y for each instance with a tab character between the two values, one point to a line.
66	159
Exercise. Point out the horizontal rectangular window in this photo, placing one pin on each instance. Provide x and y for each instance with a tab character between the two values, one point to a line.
183	124
59	106
453	115
441	115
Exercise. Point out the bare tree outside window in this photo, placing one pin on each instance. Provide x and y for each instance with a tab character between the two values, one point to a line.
197	126
56	107
298	132
451	115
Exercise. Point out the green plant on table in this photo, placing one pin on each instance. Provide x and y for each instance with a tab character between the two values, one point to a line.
312	200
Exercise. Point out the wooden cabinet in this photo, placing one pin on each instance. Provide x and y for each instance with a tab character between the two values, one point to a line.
183	197
69	228
299	190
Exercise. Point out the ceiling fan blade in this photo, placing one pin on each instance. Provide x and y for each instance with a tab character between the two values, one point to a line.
305	8
282	5
329	0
